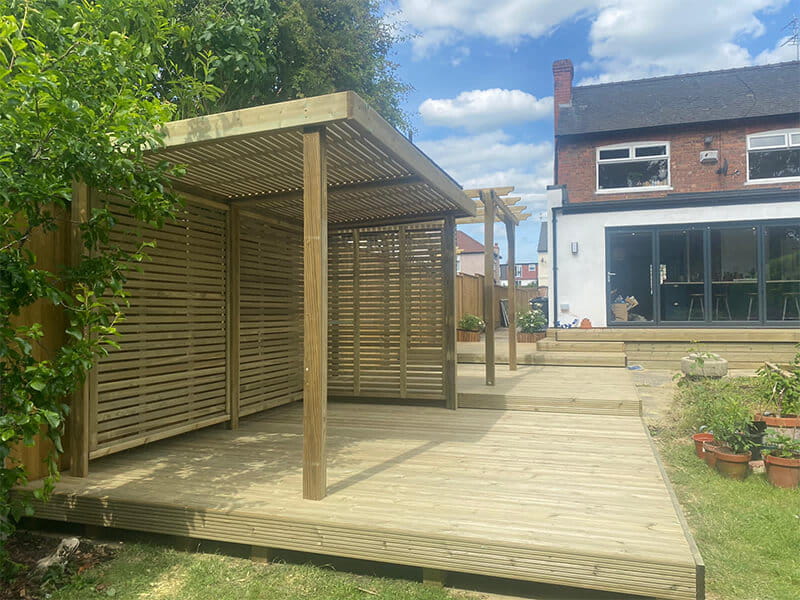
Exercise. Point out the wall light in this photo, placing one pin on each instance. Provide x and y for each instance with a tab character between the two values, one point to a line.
574	247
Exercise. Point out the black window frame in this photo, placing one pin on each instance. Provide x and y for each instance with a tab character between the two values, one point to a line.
706	227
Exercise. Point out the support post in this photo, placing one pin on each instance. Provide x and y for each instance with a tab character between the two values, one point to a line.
233	335
512	294
449	295
80	415
315	318
489	308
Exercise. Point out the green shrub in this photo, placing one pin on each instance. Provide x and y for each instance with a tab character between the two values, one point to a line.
783	386
730	419
471	323
782	446
532	321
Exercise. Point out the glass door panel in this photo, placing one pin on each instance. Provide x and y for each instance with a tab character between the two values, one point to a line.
734	274
682	275
782	258
630	277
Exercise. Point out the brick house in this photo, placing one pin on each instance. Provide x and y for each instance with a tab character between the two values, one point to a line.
469	256
525	274
680	194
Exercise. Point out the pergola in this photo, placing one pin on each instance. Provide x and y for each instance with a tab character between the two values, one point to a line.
219	321
491	207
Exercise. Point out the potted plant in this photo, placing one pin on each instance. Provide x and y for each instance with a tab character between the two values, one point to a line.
784	387
730	424
782	460
531	326
699	440
469	328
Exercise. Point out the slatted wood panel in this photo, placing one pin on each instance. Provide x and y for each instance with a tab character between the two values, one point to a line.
386	312
567	499
169	375
271	310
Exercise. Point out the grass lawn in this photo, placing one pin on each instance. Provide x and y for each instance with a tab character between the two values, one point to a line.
748	531
145	572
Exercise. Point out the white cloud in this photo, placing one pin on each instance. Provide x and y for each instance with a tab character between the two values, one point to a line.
441	22
783	51
493	159
479	110
630	39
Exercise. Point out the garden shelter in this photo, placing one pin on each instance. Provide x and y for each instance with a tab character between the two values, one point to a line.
314	257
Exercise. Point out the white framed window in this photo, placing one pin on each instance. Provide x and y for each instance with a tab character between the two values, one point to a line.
643	166
517	271
773	156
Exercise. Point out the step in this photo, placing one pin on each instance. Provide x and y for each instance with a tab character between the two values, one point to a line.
565	359
550	345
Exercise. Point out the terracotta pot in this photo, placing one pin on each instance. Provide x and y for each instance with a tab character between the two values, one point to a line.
783	472
783	422
710	454
699	438
462	335
735	466
530	338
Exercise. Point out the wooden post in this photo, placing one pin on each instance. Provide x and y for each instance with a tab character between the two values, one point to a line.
489	308
402	258
512	294
80	416
315	333
233	322
449	294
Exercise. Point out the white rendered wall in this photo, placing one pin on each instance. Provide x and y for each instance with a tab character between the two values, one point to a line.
582	277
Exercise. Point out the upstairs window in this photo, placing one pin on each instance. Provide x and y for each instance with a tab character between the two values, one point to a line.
773	155
633	167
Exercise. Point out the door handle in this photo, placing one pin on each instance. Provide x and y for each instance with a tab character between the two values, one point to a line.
609	275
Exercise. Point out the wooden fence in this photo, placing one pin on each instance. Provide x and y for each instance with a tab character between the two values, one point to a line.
469	296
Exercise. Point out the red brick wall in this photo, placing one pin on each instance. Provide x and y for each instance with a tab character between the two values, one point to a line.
577	167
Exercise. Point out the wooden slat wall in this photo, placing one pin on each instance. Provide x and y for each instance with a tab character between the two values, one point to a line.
386	313
271	300
169	375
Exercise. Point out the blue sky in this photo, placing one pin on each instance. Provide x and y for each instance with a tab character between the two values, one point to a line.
481	71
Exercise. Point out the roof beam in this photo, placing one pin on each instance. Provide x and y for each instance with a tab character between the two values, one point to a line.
500	191
363	186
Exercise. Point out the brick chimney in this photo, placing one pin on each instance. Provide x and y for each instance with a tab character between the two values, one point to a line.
562	85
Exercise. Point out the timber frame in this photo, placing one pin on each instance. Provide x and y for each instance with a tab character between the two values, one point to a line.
495	208
242	279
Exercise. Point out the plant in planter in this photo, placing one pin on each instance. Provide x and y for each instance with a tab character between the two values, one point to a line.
784	386
782	460
531	326
731	421
469	328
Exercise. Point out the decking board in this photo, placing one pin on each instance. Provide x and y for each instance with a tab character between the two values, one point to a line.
574	500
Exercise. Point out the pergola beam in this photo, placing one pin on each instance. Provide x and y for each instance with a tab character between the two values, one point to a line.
315	314
361	187
500	191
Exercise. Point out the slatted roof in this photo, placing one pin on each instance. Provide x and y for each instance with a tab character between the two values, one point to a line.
254	157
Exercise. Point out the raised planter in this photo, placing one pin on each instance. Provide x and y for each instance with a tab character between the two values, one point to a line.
782	422
735	466
713	365
463	335
699	439
782	472
531	338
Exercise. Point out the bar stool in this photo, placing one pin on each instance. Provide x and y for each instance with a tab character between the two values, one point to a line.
722	298
752	296
698	297
791	296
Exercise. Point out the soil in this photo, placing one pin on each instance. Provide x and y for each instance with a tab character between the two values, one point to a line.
27	549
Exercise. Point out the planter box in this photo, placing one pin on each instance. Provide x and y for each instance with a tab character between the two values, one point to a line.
462	335
531	338
780	422
713	366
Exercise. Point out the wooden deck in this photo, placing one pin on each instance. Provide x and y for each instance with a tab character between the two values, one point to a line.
576	500
587	390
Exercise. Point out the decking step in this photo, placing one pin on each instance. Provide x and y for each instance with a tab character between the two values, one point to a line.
551	345
564	359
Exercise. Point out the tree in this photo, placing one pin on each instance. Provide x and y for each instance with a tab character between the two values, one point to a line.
76	104
263	51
